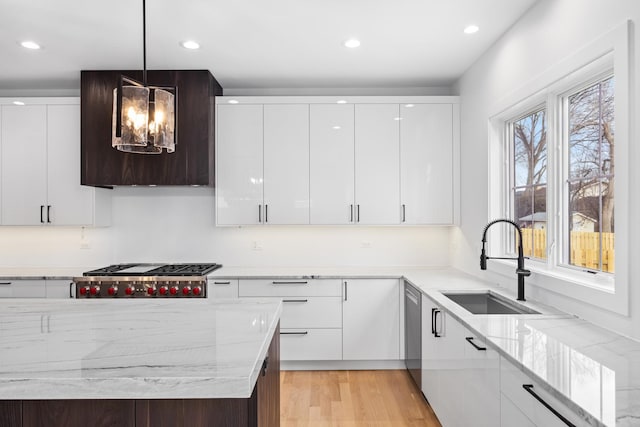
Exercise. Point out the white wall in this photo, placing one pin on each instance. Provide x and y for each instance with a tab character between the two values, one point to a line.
547	33
176	224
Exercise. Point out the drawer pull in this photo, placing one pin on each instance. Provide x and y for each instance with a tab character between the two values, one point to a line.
221	283
289	283
529	389
294	333
295	300
5	283
476	346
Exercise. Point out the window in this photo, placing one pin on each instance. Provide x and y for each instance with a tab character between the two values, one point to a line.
560	164
591	173
586	136
529	192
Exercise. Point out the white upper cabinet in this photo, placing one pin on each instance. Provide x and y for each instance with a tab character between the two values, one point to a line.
377	163
311	160
332	164
40	172
24	164
286	164
239	183
426	163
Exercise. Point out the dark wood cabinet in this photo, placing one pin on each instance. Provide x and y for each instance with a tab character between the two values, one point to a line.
262	409
193	161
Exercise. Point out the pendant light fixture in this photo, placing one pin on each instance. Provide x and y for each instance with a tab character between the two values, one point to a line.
144	117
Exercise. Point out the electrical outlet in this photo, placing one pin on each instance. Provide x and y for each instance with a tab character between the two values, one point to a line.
256	246
365	244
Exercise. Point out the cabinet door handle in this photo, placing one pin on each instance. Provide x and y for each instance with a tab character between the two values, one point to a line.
42	323
295	300
5	283
351	213
477	347
434	322
266	213
357	213
259	213
71	290
221	283
49	214
529	389
265	365
404	213
345	290
289	283
42	214
294	333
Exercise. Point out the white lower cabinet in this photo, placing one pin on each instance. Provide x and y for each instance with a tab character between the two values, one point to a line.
23	288
59	289
371	319
222	288
311	321
455	374
520	407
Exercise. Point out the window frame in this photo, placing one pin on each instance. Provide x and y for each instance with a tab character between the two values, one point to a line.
599	58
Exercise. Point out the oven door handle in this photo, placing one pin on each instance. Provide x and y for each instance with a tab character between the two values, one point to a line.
71	289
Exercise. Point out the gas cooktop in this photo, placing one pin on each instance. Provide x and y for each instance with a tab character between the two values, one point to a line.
154	270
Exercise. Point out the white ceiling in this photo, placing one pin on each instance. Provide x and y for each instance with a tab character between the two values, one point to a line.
253	43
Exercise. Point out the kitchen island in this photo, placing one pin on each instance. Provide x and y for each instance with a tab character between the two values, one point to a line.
139	363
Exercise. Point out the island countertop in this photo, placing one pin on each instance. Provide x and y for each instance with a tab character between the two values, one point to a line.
129	349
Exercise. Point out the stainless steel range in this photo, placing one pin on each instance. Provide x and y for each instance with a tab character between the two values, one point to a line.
145	281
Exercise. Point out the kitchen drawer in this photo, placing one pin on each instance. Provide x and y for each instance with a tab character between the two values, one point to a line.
311	344
222	288
311	312
511	382
290	288
22	288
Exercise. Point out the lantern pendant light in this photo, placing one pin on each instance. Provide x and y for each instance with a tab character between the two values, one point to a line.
144	117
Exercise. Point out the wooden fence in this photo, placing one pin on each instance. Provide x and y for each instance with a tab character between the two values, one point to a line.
584	248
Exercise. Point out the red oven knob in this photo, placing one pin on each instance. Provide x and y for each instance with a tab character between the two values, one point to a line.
151	291
113	291
197	290
173	290
130	290
95	290
164	290
84	290
186	290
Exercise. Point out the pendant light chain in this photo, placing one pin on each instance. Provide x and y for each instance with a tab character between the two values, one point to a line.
144	43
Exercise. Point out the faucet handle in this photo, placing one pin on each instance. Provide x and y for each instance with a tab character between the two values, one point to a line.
523	272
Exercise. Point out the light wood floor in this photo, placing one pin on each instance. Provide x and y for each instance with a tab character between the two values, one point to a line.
352	398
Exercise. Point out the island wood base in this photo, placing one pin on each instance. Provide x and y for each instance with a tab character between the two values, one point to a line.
262	409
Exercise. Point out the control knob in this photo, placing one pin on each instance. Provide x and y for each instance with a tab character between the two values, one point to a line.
197	290
113	290
151	291
129	290
173	290
164	290
84	290
95	290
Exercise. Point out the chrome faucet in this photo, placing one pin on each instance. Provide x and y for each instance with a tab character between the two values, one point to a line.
520	271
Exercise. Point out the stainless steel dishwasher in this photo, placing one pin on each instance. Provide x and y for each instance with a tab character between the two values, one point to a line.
413	332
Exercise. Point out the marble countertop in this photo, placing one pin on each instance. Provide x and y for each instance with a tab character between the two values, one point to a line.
41	273
126	349
593	371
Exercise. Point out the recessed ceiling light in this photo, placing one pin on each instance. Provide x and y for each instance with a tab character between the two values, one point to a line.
337	127
28	44
471	29
352	43
18	103
397	118
232	101
410	105
342	101
190	44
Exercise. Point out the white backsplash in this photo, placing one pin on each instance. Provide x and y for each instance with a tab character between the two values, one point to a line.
176	224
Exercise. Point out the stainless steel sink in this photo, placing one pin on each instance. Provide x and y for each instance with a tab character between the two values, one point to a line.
488	303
